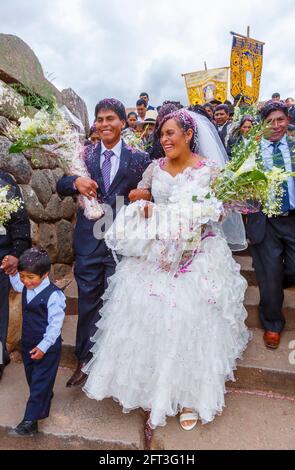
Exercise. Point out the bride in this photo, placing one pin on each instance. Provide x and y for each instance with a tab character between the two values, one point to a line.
172	324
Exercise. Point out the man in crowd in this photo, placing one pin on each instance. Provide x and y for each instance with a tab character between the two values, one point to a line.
141	108
273	238
276	97
291	108
222	119
144	96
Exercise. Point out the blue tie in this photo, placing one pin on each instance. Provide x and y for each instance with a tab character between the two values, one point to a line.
278	161
107	168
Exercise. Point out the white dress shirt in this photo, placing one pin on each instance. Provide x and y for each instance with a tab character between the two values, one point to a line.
56	310
115	159
267	156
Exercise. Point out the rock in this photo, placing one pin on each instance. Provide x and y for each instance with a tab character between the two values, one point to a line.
19	64
11	102
62	271
15	321
34	207
40	159
68	208
51	180
34	233
41	186
4	125
57	173
77	106
48	240
16	163
30	111
53	211
64	230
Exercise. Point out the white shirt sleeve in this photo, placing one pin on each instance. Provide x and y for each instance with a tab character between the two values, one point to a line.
56	313
16	283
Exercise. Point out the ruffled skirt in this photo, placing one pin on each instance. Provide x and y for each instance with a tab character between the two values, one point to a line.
163	342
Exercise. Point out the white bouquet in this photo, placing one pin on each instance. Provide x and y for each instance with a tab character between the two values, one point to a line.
51	133
7	207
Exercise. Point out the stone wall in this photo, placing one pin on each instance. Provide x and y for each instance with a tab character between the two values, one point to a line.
52	218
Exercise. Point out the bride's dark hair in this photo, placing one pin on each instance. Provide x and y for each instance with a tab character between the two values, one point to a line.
185	122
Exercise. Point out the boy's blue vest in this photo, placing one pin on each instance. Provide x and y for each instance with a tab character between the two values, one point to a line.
35	317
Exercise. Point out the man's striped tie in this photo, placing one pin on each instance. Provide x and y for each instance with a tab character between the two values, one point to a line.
107	168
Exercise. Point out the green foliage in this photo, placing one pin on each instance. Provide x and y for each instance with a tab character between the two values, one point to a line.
48	101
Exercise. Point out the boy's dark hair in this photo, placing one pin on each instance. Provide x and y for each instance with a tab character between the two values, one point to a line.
35	260
222	107
140	102
112	104
143	93
275	95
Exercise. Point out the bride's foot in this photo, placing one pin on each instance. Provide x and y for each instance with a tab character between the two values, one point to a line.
188	419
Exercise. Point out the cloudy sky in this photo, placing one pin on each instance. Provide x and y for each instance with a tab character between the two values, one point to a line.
122	47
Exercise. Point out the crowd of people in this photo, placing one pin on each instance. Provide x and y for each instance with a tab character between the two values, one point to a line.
166	344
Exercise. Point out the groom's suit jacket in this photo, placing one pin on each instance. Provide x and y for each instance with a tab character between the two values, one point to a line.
131	167
256	222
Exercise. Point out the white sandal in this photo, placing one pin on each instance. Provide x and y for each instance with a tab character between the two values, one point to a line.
188	416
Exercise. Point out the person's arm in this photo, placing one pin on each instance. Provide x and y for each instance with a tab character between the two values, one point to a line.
56	313
18	230
16	283
66	186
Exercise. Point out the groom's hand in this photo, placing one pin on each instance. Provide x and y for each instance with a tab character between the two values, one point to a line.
86	186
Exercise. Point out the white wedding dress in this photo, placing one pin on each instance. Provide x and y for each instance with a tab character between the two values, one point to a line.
165	342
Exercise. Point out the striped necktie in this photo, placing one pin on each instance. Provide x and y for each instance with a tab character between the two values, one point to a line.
278	161
107	168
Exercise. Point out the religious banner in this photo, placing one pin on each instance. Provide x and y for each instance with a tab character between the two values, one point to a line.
246	67
206	85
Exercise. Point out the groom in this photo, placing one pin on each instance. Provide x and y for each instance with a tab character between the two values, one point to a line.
114	171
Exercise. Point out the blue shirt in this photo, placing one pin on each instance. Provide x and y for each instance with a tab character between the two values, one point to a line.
267	156
56	310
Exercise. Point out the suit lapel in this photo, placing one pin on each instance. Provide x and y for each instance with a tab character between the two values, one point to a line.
125	158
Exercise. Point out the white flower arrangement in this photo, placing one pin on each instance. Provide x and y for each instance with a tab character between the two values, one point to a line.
52	134
7	207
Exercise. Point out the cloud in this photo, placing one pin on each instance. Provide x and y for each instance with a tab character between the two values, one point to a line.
119	49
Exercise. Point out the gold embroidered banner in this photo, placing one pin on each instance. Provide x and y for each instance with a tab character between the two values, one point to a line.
246	67
206	85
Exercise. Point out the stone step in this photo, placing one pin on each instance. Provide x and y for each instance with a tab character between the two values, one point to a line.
251	303
261	368
75	421
250	420
247	269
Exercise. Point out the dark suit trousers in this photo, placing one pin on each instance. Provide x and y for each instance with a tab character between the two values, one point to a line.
4	314
41	377
91	273
274	263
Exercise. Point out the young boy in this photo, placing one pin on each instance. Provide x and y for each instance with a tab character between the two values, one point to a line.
43	307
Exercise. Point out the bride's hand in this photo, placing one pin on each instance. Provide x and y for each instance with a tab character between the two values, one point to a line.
139	194
148	211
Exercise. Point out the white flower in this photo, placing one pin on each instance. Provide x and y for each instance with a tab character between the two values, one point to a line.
247	166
